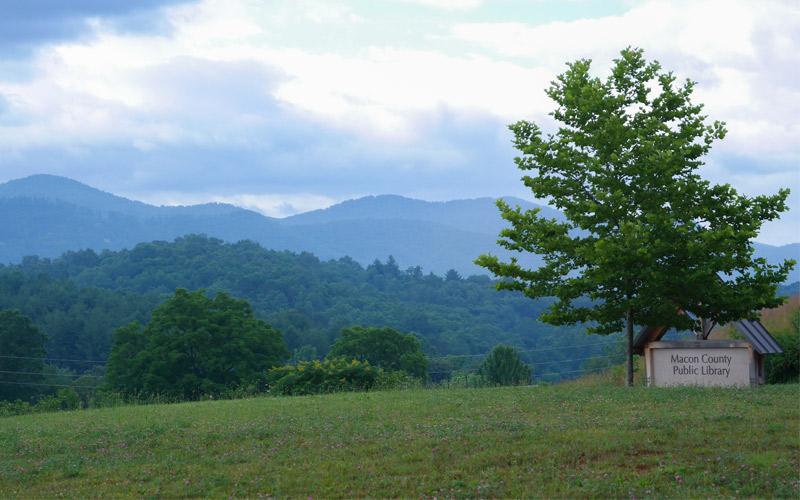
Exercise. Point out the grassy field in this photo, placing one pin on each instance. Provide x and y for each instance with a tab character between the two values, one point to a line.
505	442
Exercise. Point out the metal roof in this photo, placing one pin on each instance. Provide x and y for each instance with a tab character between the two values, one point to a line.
753	331
646	335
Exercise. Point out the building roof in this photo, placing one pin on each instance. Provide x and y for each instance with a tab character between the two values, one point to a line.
753	331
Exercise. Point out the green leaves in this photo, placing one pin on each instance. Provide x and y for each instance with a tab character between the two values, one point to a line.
644	231
21	353
383	347
504	367
194	345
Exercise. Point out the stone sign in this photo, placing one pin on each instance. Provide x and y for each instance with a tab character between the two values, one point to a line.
700	363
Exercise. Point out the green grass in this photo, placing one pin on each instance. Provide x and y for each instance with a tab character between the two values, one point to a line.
566	441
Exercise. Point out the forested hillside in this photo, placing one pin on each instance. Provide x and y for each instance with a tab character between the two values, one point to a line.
77	321
80	298
46	215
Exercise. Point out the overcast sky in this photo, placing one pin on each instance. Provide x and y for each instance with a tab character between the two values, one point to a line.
287	106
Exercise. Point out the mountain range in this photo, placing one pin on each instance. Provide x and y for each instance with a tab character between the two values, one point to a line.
47	215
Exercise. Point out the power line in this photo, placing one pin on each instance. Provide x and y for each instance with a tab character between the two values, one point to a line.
48	385
55	359
600	368
51	374
607	342
576	359
458	371
454	372
448	356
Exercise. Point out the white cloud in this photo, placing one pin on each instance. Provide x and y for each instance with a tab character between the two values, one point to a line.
740	52
380	93
272	205
383	91
386	90
327	12
710	30
447	4
230	75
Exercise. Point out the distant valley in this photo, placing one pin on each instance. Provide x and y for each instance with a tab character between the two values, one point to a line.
47	215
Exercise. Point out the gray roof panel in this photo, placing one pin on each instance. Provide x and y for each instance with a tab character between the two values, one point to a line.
757	335
753	331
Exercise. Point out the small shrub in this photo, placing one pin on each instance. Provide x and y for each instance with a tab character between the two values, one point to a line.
65	399
11	408
388	380
316	377
462	380
383	347
104	398
504	367
785	368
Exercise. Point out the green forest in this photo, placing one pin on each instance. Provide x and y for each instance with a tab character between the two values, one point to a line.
79	299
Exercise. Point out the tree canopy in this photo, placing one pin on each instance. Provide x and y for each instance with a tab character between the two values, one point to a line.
383	347
645	236
82	297
194	345
21	353
503	366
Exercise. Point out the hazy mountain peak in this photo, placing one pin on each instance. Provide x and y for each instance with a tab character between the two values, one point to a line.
42	182
477	215
43	186
57	188
47	215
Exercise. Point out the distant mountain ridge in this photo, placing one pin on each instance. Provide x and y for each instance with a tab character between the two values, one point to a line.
466	215
64	189
46	215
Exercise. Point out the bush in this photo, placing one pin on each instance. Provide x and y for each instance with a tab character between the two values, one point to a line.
383	347
464	380
784	368
316	377
11	408
104	398
65	399
388	380
504	367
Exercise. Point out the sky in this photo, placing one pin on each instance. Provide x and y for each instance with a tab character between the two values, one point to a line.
289	106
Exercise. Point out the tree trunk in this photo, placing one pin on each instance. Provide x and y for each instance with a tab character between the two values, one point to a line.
629	335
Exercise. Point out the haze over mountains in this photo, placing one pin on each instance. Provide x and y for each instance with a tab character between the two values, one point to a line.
47	215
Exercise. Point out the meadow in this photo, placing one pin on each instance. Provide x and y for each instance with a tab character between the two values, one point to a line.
579	440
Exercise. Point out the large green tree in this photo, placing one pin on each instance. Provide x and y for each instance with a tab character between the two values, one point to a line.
383	347
21	353
192	346
645	237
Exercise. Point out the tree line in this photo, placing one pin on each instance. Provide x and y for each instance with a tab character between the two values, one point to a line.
196	346
79	299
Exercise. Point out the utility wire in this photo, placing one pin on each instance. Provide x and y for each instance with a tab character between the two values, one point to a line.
449	356
600	368
575	359
51	374
48	385
538	363
457	371
55	359
607	342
